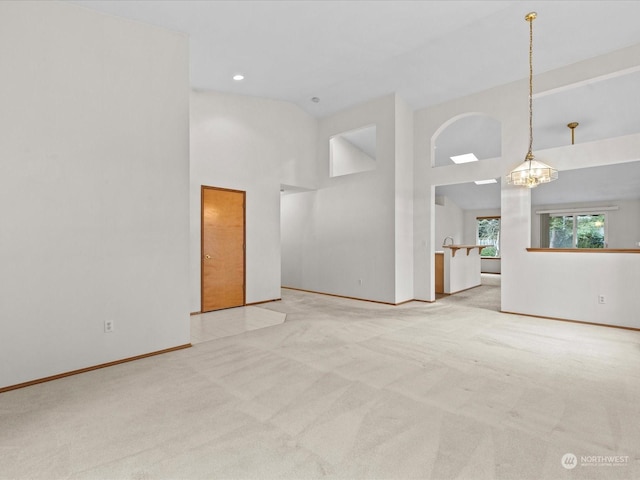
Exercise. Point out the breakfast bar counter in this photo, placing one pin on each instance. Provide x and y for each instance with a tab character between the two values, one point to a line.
460	267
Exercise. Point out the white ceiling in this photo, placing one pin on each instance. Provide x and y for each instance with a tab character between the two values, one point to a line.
587	185
469	196
429	52
347	52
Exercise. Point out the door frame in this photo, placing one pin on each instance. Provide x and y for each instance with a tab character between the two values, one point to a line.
244	241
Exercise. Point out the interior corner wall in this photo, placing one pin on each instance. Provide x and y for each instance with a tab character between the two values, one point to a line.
94	179
404	201
250	144
297	232
345	230
346	158
449	222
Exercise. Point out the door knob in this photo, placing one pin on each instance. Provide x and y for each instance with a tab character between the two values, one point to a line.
207	257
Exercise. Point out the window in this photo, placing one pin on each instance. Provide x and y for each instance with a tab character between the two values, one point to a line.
488	233
573	230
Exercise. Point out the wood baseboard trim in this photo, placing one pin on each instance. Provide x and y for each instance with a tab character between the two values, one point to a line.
263	301
195	313
463	290
582	322
402	303
89	369
348	298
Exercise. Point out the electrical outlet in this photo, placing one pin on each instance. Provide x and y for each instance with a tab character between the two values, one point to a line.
359	281
108	326
601	299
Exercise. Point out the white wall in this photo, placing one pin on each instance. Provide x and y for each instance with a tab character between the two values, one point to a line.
297	231
571	294
571	282
449	222
345	231
346	158
403	201
251	144
461	271
93	189
490	265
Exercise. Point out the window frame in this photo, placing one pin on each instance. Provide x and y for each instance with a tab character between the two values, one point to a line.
574	215
490	217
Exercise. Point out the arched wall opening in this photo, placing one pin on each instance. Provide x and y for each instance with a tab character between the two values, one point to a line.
465	191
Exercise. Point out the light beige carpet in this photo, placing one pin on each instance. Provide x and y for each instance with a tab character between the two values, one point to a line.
486	296
346	389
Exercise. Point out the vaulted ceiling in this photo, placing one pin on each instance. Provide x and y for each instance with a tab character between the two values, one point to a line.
347	52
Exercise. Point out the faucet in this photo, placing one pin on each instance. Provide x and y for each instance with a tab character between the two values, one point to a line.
444	242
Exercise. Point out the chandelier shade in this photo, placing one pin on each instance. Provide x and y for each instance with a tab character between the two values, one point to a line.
531	172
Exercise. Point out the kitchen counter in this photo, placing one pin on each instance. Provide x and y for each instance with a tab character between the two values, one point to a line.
460	272
455	248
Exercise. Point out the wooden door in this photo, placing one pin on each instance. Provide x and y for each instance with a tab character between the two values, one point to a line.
439	273
223	248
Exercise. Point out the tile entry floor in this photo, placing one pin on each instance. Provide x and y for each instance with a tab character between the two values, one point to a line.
232	321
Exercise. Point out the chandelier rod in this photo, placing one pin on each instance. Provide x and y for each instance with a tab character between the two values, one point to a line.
530	18
573	126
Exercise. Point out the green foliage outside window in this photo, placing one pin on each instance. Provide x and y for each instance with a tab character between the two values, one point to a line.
590	231
561	232
580	231
489	234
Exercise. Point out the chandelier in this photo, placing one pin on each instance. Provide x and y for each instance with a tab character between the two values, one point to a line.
531	172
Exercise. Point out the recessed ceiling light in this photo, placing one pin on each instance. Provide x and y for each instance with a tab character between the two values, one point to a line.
466	158
238	77
485	182
315	99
